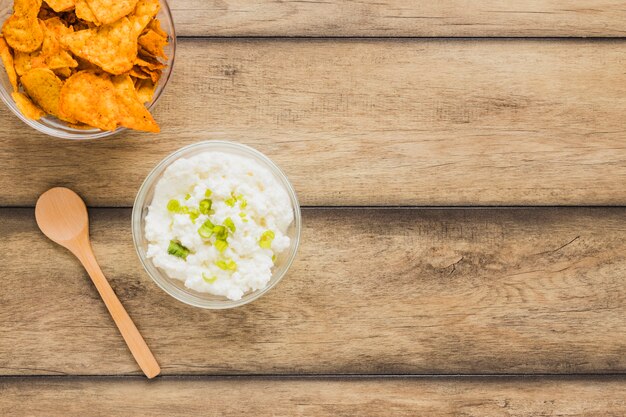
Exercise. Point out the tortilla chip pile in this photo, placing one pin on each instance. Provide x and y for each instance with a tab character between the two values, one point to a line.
90	63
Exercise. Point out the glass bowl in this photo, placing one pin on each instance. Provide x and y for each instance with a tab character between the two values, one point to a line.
176	288
54	127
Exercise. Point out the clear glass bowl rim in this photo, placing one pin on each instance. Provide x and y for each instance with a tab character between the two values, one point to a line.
150	182
77	134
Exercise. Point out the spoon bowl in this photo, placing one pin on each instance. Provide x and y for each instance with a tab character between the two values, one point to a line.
62	216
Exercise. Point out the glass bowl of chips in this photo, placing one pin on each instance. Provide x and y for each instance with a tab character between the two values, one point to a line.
32	91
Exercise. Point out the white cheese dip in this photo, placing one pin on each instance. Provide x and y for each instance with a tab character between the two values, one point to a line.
216	222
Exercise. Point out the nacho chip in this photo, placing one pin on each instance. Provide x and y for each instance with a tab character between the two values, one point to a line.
44	88
155	75
61	5
7	61
145	11
145	90
52	54
148	8
21	30
90	98
84	65
27	8
132	113
27	107
139	22
112	47
149	63
23	33
23	62
65	72
155	25
84	12
137	72
149	66
109	11
57	27
153	43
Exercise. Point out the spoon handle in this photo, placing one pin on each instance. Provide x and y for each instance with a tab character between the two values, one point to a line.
138	347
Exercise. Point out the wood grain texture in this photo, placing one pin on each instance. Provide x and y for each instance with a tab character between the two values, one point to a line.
336	397
400	18
426	122
372	291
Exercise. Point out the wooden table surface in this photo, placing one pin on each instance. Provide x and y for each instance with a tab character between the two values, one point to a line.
462	167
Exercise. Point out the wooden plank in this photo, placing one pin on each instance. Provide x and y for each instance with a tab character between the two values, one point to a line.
372	291
400	18
314	397
429	122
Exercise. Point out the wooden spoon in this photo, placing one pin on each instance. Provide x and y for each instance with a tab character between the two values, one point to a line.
62	216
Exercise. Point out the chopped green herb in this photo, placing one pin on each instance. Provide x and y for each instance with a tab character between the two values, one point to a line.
187	196
205	206
178	250
221	245
208	280
266	239
193	214
229	223
243	203
174	206
206	230
208	193
233	200
242	214
228	265
221	233
274	258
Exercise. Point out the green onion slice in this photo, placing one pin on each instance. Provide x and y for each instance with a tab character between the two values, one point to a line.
194	214
228	265
221	245
178	250
266	239
208	280
174	206
221	233
206	230
228	222
205	206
